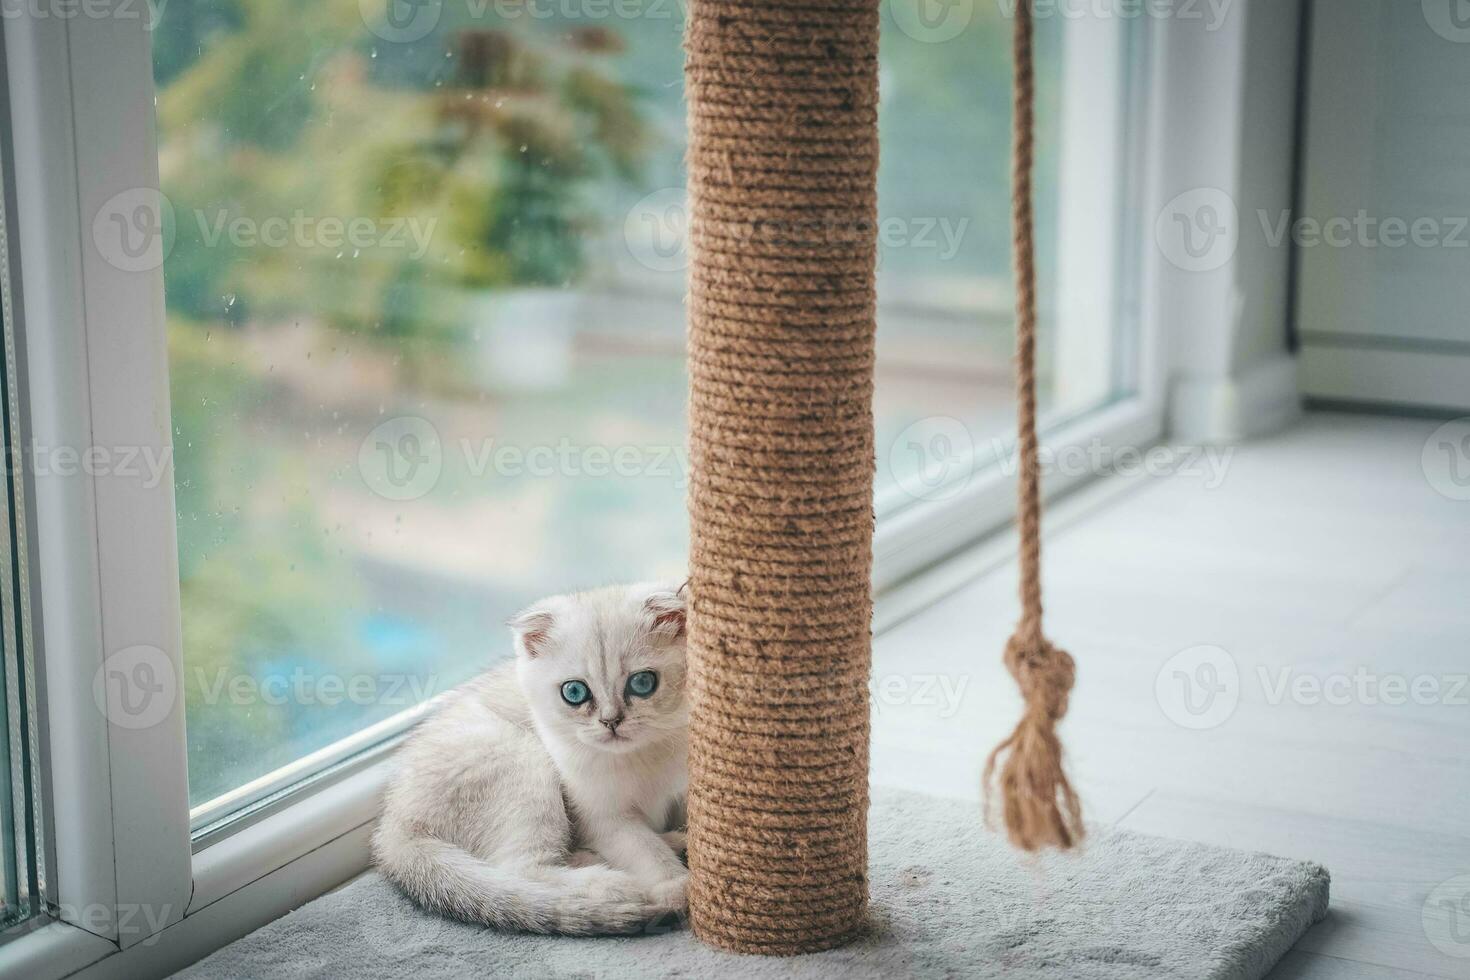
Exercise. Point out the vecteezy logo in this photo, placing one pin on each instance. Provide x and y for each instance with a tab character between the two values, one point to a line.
933	458
1450	19
932	21
1446	917
402	458
1199	687
134	229
400	21
656	231
1199	230
136	687
1446	460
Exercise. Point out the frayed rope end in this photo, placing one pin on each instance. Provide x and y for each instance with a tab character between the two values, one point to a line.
1038	804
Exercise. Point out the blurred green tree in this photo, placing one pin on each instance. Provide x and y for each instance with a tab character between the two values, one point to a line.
477	169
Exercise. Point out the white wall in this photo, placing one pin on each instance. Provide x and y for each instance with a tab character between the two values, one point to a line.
1227	84
1383	313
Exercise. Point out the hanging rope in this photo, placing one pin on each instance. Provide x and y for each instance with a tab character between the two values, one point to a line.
1038	804
783	155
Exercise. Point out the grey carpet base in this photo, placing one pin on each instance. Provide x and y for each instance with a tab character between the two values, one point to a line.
948	900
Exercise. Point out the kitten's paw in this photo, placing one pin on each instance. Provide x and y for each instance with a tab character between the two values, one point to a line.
672	894
678	840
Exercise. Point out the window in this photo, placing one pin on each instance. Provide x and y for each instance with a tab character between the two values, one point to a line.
945	392
419	377
377	322
424	287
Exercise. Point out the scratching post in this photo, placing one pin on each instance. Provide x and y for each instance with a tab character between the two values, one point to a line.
1039	806
782	168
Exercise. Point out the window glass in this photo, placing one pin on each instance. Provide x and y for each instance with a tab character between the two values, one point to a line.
945	396
21	868
424	275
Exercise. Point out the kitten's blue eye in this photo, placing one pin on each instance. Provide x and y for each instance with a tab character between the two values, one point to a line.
575	693
643	683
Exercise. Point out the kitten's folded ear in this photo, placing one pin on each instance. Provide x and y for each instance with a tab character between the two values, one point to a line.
668	607
532	629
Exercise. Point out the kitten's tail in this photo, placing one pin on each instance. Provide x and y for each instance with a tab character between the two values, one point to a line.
443	878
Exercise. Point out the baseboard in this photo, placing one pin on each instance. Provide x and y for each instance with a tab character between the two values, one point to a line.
1436	381
1264	399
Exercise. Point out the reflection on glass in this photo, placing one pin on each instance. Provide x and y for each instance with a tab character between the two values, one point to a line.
426	328
22	868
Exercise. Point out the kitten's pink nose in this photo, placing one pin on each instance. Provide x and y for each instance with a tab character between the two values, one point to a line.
612	723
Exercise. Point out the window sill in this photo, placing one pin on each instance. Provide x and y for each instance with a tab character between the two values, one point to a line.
911	540
246	880
312	820
52	951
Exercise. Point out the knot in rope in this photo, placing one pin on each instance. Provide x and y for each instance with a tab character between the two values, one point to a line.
1043	672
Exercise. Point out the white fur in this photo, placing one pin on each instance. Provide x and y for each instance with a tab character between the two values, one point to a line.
512	808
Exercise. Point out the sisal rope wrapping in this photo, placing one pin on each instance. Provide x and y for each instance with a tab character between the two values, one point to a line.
783	157
1038	804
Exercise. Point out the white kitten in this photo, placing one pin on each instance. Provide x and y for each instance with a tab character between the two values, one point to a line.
541	795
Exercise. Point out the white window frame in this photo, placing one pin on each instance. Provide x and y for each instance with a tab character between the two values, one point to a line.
82	108
98	377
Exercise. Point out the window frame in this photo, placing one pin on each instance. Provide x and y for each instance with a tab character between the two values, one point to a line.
82	96
98	377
